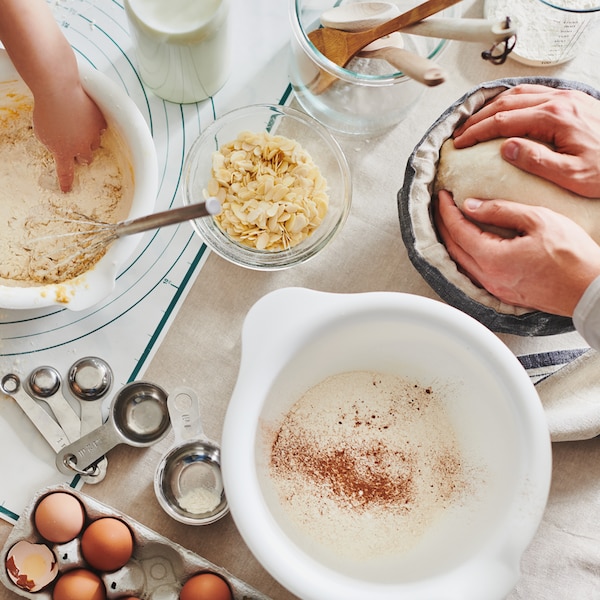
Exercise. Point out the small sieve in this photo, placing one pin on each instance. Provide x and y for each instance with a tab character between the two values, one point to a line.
138	417
188	482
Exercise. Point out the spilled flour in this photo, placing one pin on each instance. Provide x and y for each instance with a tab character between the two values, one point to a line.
365	462
34	211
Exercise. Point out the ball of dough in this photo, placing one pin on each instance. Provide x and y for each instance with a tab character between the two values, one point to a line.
479	171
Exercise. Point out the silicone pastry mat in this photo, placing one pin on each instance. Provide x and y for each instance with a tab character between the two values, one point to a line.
125	329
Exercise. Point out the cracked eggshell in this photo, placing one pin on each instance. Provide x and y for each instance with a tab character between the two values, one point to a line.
31	567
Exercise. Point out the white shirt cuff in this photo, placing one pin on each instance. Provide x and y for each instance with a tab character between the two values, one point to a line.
586	317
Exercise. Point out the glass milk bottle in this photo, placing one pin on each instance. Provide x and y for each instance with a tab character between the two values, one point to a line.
182	46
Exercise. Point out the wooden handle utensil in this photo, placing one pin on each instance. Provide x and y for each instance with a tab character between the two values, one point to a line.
341	46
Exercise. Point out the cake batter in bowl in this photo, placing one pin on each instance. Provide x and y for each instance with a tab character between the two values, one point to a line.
41	263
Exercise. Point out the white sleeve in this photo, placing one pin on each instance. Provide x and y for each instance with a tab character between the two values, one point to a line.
586	317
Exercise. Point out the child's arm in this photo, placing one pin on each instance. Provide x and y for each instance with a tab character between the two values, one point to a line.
65	118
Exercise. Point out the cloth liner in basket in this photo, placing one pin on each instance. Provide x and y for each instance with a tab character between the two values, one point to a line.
429	255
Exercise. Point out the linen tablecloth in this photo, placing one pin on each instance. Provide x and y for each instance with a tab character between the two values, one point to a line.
202	349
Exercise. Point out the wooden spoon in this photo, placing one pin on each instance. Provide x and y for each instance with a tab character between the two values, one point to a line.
360	16
341	46
419	68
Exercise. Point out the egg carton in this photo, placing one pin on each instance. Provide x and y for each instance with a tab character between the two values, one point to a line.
157	569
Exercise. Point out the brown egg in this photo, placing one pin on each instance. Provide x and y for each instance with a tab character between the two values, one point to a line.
107	544
79	584
59	517
206	586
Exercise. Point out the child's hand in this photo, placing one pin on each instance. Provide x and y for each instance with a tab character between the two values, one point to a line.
70	126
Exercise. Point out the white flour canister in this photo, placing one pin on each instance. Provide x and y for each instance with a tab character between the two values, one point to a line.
182	46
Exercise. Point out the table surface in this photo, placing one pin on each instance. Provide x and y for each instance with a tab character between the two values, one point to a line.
202	347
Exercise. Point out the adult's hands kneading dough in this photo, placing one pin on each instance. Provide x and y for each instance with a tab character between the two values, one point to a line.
567	122
547	266
551	262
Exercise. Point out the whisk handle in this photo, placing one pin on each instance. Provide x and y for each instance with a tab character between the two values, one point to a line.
209	207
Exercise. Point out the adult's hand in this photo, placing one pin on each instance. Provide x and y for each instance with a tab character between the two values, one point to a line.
547	266
551	133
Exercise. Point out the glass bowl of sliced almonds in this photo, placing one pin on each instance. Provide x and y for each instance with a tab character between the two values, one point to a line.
283	182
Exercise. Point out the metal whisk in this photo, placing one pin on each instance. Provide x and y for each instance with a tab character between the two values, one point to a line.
92	242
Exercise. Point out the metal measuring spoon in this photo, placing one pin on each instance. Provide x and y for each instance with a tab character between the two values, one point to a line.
138	417
44	423
44	384
188	482
90	379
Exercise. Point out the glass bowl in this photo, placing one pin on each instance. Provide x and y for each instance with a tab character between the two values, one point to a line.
369	96
314	139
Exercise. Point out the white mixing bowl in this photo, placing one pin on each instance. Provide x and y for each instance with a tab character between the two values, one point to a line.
122	114
295	338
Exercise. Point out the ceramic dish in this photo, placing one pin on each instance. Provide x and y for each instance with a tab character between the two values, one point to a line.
96	284
325	153
429	255
470	550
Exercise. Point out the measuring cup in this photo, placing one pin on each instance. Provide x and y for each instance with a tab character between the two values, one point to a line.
550	33
138	417
188	483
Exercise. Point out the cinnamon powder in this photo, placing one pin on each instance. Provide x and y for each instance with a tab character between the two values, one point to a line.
364	462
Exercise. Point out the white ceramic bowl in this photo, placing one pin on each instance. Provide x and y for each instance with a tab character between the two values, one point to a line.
294	338
91	287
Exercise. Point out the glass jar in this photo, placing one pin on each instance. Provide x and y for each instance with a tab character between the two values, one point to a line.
182	48
368	96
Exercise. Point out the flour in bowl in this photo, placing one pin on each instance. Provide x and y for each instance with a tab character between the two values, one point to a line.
34	249
365	462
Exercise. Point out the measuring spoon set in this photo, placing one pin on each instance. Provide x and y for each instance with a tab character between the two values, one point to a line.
141	414
138	414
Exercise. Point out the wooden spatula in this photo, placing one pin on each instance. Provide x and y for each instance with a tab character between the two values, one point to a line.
341	46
